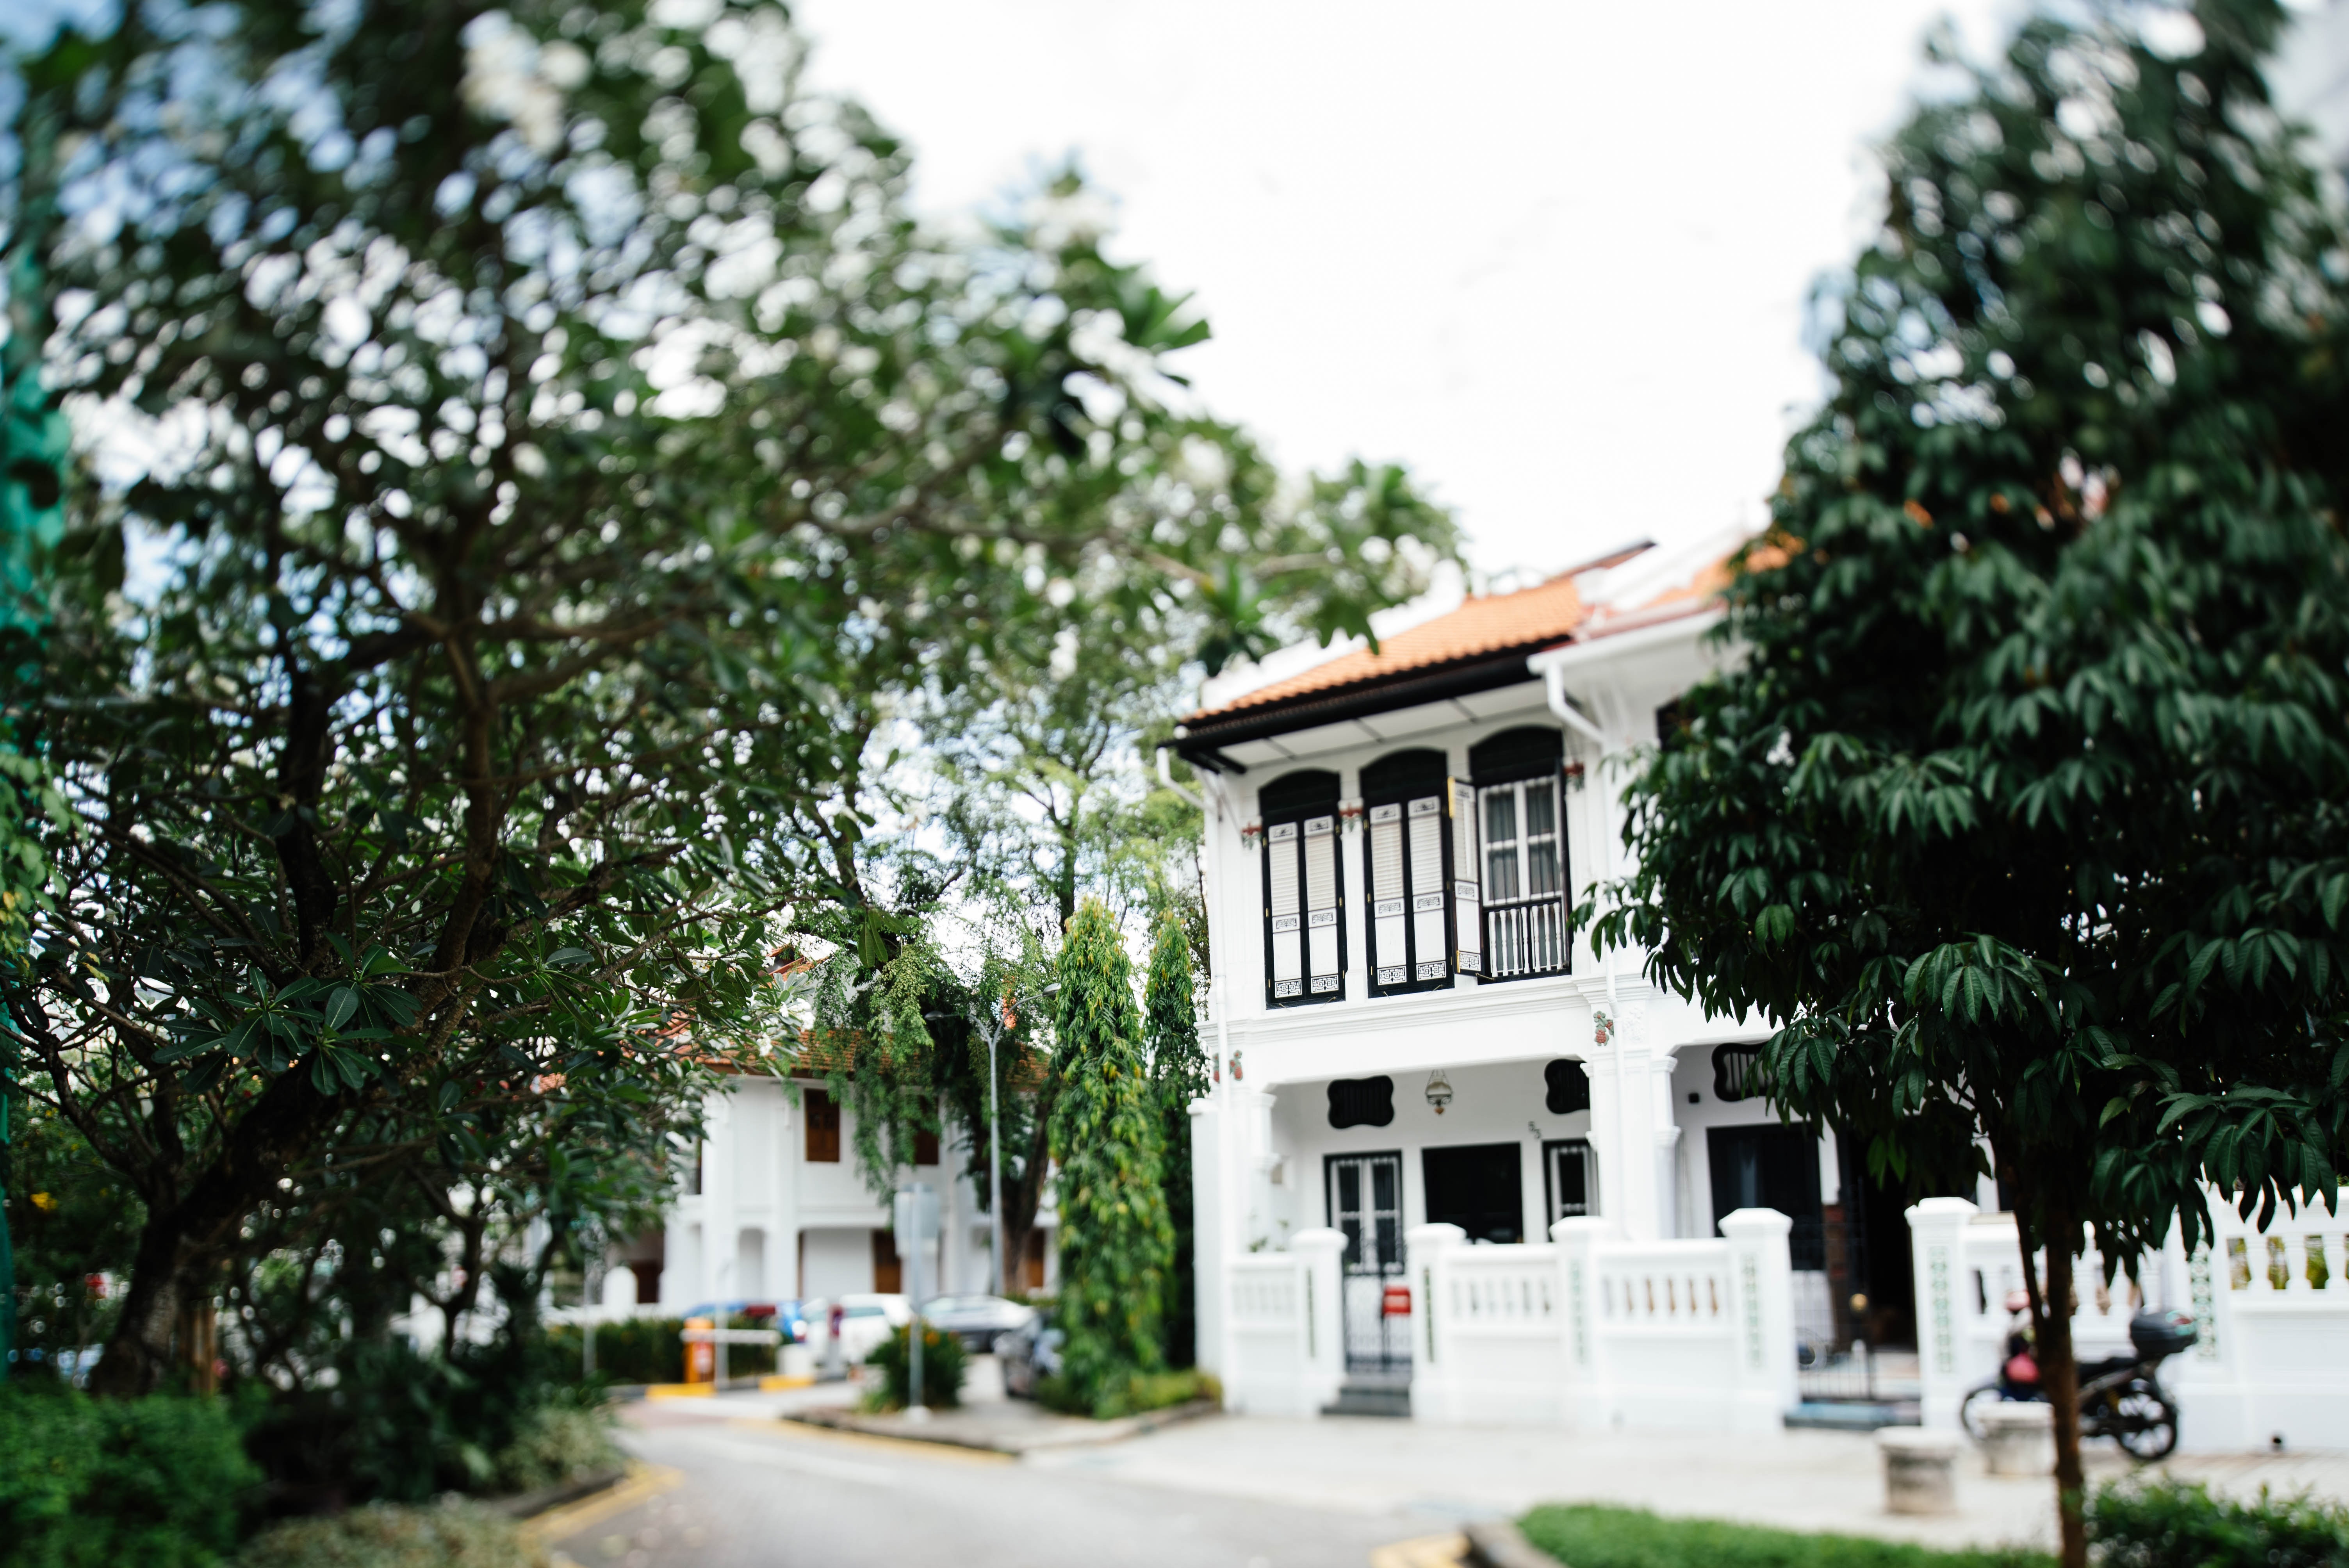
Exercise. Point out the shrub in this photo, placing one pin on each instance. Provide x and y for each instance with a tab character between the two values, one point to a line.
161	1481
633	1350
557	1442
2170	1524
1588	1535
942	1367
1133	1395
390	1535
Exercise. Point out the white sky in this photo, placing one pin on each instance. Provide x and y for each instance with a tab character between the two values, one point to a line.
1555	256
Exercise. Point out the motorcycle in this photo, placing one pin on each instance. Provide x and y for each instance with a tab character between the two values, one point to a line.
2121	1396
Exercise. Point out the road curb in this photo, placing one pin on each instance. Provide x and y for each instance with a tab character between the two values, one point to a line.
1091	1435
1498	1543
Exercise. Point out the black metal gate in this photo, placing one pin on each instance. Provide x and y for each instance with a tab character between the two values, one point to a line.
1366	1204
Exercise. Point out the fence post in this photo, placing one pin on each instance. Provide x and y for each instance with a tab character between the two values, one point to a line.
1937	1234
1582	1397
1321	1310
1762	1278
1426	1250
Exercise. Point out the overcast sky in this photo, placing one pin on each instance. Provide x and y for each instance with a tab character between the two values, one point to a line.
1555	255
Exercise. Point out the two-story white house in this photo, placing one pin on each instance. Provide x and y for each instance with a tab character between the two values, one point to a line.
776	1208
1409	1033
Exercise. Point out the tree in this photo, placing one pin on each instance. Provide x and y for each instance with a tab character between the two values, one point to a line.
1116	1242
529	423
2025	816
1178	1075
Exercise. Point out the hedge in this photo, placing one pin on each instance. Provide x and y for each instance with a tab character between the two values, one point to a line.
162	1482
2170	1524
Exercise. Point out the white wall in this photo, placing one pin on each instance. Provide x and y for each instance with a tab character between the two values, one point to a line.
835	1262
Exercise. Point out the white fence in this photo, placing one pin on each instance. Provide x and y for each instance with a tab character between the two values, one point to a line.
1582	1330
2271	1309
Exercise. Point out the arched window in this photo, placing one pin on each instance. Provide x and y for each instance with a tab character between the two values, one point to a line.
1521	851
1423	924
1304	939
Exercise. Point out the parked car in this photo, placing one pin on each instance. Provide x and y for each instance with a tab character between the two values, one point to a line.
978	1319
867	1318
1027	1353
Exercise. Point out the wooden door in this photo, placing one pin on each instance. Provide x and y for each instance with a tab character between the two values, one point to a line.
888	1268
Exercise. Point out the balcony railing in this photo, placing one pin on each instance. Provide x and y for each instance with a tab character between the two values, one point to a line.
1524	936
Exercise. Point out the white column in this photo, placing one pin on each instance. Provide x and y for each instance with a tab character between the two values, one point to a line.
1425	1248
1667	1136
720	1219
1637	1216
1936	1232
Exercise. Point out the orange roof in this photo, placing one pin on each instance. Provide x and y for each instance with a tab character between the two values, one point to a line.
1490	624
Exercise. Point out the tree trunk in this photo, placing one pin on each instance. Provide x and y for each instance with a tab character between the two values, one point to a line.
2059	1374
138	1355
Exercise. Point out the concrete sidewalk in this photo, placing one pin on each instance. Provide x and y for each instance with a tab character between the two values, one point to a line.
1820	1480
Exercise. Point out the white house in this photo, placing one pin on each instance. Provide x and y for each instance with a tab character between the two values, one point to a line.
1458	1164
776	1208
1408	1037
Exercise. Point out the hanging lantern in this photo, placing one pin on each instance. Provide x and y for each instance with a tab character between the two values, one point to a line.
1439	1090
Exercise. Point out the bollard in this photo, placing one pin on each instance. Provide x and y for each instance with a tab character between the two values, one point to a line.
1919	1470
2019	1437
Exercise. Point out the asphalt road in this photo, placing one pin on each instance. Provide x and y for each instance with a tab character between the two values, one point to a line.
764	1494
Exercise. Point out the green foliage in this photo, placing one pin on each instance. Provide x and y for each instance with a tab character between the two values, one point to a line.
390	1535
944	1366
588	451
88	1484
1116	1241
554	1443
1593	1535
398	1424
71	1217
2027	810
1136	1394
1178	1075
633	1350
2167	1523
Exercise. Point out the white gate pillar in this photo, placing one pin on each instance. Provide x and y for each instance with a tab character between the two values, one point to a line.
1761	1277
1425	1249
1582	1392
1322	1303
1937	1231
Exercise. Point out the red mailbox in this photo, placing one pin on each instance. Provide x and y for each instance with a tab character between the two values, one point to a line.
1395	1301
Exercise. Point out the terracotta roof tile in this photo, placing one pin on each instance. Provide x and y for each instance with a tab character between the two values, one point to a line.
1491	625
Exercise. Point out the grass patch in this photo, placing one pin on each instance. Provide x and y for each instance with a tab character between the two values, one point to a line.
1589	1535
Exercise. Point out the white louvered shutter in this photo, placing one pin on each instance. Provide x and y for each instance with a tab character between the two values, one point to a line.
1322	967
1423	828
1467	904
1283	912
1390	904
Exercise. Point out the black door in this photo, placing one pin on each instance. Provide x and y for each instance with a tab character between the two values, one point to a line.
1479	1187
1366	1204
1770	1167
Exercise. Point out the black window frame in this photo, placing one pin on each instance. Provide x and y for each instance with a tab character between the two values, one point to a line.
1294	807
1401	793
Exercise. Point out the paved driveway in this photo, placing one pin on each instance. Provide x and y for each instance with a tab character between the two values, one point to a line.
753	1492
